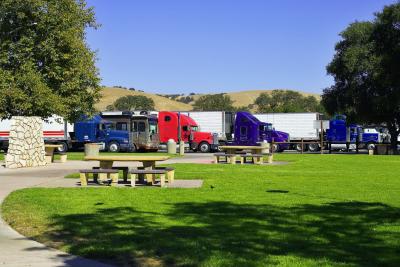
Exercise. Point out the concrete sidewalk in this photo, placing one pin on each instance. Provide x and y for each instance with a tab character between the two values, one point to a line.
17	250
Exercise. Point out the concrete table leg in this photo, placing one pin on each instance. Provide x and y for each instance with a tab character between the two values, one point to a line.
104	165
149	165
49	154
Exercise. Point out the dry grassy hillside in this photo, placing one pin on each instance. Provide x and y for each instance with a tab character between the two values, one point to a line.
110	94
242	98
245	98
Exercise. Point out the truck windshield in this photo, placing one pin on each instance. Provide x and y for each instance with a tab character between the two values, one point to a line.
194	128
266	128
107	126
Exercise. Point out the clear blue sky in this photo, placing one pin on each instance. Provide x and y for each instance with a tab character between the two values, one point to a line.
183	46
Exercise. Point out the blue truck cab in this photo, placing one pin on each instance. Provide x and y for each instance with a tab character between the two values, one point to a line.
98	130
340	132
250	131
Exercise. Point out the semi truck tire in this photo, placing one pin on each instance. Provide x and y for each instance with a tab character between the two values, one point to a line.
204	147
370	146
275	148
114	146
298	147
313	147
133	149
63	148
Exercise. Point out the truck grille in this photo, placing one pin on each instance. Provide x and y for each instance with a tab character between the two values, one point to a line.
215	138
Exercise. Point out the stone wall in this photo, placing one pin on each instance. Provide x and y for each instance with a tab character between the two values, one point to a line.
26	144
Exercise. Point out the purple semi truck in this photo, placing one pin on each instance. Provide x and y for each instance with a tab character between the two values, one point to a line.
249	131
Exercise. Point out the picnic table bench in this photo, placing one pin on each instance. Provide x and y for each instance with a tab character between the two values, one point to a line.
162	172
231	158
110	173
124	170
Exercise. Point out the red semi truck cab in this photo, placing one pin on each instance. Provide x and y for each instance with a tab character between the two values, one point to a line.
168	124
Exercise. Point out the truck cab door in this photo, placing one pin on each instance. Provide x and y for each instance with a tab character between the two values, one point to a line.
244	134
352	135
101	133
187	136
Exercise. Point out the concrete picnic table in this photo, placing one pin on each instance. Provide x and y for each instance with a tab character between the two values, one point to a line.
49	149
106	162
254	150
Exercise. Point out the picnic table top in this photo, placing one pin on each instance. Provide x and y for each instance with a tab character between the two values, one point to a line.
241	147
127	158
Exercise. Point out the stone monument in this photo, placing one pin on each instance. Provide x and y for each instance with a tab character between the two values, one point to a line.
26	144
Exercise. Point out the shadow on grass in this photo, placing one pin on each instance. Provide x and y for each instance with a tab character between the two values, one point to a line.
236	235
278	191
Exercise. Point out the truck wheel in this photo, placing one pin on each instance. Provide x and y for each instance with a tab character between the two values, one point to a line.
275	148
63	148
114	146
298	147
313	147
204	147
133	149
370	146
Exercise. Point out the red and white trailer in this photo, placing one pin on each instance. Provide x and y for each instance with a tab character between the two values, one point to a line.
55	131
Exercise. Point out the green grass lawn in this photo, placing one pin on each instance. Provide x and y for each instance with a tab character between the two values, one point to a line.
329	210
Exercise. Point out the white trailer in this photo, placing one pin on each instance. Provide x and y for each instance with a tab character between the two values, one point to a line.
300	126
55	131
218	122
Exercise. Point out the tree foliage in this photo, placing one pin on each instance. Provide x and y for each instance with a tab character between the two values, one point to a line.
185	99
217	102
366	69
46	66
286	101
132	102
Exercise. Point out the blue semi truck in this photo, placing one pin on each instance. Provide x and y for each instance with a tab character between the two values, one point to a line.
341	133
98	130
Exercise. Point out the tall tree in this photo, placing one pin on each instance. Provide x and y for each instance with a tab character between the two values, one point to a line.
132	102
217	102
46	67
366	69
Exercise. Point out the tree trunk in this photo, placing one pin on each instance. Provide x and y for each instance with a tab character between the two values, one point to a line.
394	133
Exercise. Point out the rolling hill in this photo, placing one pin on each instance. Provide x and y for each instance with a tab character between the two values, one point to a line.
241	98
110	94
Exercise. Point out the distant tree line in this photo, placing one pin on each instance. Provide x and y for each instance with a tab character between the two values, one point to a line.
278	101
186	99
126	88
132	102
179	97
